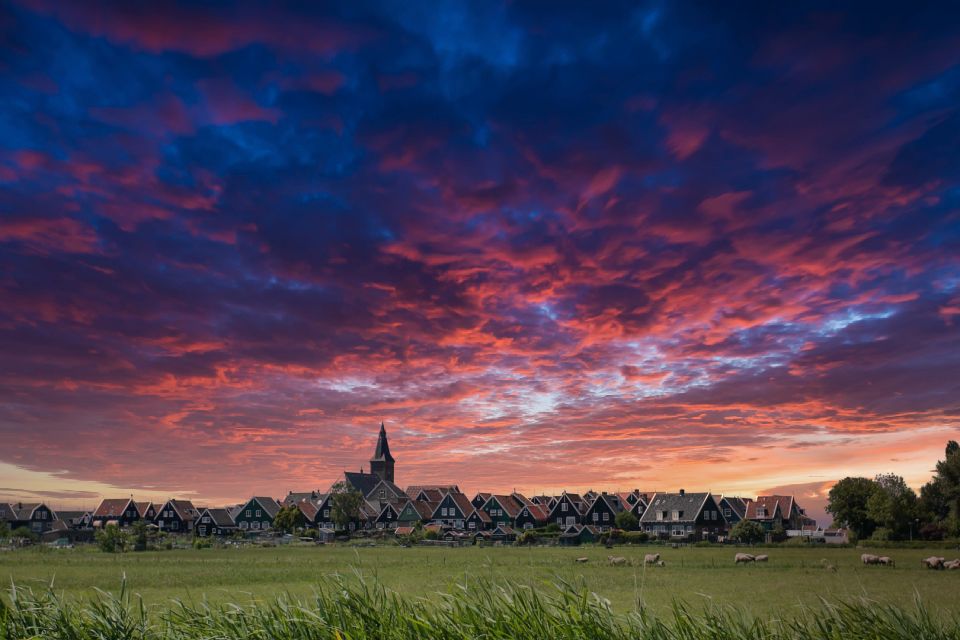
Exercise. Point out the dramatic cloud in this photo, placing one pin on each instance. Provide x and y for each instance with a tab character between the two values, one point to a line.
636	245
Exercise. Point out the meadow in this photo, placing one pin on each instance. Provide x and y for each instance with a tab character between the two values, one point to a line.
793	579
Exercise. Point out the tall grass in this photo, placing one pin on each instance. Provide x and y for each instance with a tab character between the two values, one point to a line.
357	608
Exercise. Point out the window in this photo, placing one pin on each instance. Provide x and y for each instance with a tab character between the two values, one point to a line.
255	524
326	513
383	494
174	525
563	506
248	513
243	524
596	516
559	520
258	513
675	515
202	530
471	525
661	515
726	513
606	516
443	511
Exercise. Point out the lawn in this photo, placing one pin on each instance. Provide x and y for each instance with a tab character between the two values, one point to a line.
794	576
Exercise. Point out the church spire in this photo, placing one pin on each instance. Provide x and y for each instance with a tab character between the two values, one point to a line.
382	462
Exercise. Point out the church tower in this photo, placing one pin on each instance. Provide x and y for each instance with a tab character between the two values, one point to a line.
381	464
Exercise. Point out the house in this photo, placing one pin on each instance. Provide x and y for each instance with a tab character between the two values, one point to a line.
325	535
430	493
177	516
309	511
146	510
76	519
502	509
765	510
385	491
415	511
214	522
256	514
576	534
603	511
546	501
452	511
568	510
369	511
683	516
390	515
35	516
793	516
118	511
478	520
531	516
733	509
6	513
480	499
503	533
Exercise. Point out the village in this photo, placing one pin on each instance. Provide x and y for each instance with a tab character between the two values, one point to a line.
378	505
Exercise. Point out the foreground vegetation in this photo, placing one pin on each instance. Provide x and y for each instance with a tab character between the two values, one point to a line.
363	608
794	577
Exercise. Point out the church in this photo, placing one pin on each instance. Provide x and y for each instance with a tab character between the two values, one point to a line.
378	483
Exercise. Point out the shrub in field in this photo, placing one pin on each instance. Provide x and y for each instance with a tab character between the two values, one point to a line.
747	532
111	539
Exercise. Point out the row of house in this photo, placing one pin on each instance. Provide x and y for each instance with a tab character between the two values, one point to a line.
385	505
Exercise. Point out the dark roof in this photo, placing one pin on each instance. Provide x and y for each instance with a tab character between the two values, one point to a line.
391	487
183	508
271	506
510	504
308	509
736	504
112	508
220	517
362	482
295	497
383	447
143	507
72	516
24	510
463	503
768	503
481	514
613	501
689	503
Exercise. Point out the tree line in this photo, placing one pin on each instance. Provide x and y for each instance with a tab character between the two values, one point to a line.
885	508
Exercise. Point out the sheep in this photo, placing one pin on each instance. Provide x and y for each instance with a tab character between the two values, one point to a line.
651	558
952	565
661	563
761	558
617	561
583	559
743	557
933	562
886	561
869	558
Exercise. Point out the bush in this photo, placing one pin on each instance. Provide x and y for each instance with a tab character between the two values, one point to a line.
202	543
881	534
626	521
24	533
748	532
553	527
933	531
636	537
527	538
111	539
431	534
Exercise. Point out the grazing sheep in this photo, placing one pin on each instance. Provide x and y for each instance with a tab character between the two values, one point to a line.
617	561
583	559
743	557
661	563
886	561
933	562
952	565
869	558
761	558
651	558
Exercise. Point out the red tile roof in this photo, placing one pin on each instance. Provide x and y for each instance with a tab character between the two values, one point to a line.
112	508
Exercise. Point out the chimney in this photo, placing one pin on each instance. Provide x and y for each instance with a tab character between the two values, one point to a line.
603	493
682	492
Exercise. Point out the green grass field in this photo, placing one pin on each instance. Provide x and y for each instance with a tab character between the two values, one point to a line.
697	576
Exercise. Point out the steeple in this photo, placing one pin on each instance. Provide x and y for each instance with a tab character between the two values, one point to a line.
381	463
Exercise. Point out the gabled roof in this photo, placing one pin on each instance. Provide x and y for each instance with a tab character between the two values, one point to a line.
613	502
71	516
689	503
362	482
183	508
519	497
143	508
769	505
508	503
482	515
389	487
24	510
787	505
220	517
271	506
463	504
432	492
540	512
735	503
112	508
308	509
483	495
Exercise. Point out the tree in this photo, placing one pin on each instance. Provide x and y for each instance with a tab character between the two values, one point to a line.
4	530
892	505
626	521
345	504
24	533
142	536
847	503
111	539
748	532
288	519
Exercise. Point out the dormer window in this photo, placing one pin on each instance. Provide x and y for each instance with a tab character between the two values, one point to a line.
761	512
383	494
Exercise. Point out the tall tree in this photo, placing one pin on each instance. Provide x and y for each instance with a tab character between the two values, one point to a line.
893	505
288	519
847	503
345	504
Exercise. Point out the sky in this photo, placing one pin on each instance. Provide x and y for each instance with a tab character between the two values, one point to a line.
551	244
